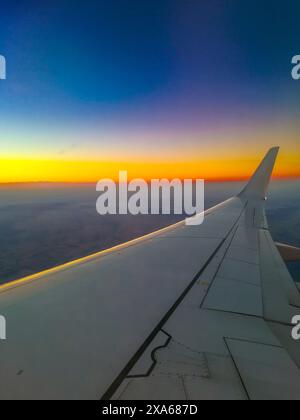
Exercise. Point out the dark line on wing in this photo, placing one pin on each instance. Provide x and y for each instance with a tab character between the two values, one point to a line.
122	375
284	324
238	281
154	361
223	311
237	369
262	317
235	227
243	261
254	216
253	342
184	388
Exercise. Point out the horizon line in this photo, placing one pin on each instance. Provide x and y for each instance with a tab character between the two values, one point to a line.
208	180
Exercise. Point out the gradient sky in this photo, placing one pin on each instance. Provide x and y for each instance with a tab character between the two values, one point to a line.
161	88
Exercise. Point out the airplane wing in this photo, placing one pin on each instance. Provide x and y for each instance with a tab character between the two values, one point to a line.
188	313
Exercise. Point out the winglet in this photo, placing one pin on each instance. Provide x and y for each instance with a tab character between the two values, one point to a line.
259	183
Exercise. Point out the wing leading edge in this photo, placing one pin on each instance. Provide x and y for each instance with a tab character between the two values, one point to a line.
187	312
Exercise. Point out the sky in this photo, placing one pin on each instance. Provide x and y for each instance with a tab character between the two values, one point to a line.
165	88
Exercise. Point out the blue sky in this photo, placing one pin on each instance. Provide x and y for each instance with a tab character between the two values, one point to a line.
147	74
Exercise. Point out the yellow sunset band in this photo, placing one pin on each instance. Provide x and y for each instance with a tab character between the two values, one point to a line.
25	170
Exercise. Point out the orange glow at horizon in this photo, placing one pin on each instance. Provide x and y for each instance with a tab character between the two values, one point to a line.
221	169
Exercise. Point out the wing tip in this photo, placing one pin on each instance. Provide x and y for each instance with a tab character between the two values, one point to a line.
275	149
257	186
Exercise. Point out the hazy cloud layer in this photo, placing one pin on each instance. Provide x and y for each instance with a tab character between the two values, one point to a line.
45	226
